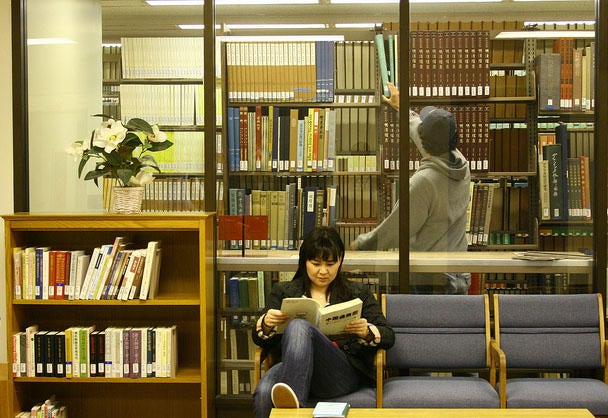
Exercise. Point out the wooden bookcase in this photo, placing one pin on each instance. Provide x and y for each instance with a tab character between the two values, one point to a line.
185	299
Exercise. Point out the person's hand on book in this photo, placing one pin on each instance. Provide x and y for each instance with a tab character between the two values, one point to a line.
273	318
359	327
393	99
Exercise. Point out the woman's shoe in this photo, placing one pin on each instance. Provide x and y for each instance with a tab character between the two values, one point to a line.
283	396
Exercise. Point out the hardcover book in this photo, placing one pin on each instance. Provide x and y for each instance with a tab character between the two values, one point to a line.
331	410
330	319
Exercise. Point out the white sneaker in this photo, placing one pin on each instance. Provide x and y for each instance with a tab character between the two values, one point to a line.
283	396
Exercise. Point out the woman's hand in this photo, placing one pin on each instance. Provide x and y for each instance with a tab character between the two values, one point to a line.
274	317
358	327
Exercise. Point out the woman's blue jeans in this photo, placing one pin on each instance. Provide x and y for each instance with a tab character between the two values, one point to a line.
312	365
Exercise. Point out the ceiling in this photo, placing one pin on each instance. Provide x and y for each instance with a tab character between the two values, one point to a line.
137	18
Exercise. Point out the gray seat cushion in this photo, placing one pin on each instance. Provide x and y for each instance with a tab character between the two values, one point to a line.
558	393
439	392
363	398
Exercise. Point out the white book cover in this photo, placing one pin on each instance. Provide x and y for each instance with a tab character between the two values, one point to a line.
89	274
73	276
330	319
148	269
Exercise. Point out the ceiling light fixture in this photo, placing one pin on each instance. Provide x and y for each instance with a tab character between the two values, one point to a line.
226	2
196	27
50	41
271	38
277	26
357	25
411	1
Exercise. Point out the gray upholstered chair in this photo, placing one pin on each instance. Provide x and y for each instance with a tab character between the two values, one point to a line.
551	333
441	333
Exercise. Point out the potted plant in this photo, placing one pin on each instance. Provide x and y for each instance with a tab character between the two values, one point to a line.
122	152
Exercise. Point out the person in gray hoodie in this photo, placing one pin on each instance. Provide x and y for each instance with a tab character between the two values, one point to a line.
439	197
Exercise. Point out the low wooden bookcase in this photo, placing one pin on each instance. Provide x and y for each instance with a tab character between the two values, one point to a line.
185	299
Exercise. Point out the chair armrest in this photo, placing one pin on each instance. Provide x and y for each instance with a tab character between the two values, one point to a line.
257	366
379	360
498	360
605	362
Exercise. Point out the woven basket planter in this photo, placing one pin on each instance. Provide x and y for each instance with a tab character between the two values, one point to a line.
127	199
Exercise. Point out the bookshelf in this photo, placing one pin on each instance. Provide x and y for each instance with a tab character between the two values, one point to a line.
167	90
566	117
496	111
335	97
335	111
185	299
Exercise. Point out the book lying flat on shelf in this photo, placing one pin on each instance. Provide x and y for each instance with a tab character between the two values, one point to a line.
330	319
331	410
549	255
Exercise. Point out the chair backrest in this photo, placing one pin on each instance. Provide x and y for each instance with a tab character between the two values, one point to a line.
438	331
550	331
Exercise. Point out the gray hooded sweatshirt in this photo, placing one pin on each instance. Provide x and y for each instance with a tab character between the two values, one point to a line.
439	196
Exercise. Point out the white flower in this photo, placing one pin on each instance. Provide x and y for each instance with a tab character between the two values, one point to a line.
109	134
141	179
76	150
158	135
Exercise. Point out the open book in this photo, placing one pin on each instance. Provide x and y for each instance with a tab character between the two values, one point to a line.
330	319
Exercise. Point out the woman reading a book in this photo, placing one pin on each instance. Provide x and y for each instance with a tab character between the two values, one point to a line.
311	363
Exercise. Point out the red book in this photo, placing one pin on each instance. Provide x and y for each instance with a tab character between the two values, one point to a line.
52	273
61	273
243	138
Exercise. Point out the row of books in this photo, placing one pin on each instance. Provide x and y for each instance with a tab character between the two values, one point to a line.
83	351
162	57
236	344
498	213
479	213
185	156
505	83
564	179
111	272
292	213
270	138
164	104
448	63
280	71
165	194
355	69
50	408
515	283
510	148
111	61
473	125
566	77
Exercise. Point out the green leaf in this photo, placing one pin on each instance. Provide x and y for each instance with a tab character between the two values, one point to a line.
137	124
160	146
124	175
93	174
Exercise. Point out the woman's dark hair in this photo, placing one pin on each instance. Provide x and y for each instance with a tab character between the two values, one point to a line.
322	243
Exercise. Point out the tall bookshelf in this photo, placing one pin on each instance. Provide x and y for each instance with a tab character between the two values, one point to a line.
185	299
342	88
168	91
571	123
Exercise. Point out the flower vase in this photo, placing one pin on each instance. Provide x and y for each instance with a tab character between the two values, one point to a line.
127	199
